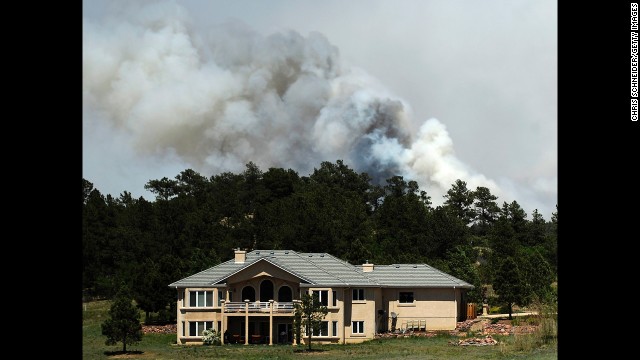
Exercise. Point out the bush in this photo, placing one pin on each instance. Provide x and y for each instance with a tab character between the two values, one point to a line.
533	320
549	323
211	337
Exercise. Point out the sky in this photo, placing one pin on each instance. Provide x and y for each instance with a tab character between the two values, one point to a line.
431	90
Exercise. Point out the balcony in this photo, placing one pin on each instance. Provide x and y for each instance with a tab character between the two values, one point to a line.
263	307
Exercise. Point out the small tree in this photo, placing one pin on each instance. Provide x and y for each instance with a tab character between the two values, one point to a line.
508	284
310	312
124	325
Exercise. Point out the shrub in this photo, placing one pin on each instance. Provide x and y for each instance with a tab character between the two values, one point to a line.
548	324
547	319
211	337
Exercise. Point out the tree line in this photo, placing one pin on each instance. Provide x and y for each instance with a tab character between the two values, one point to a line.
195	222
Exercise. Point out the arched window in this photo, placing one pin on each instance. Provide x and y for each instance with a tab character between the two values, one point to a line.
248	293
266	290
285	294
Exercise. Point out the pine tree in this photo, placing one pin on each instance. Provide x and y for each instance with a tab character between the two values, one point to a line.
509	285
124	325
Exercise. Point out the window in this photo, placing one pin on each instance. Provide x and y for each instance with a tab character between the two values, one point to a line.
285	294
406	298
197	327
248	293
358	295
334	328
335	298
184	328
266	290
357	327
220	297
200	298
324	329
323	296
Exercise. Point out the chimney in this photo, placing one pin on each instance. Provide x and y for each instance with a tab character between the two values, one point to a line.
241	256
367	267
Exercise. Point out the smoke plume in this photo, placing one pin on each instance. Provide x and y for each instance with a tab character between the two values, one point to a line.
221	97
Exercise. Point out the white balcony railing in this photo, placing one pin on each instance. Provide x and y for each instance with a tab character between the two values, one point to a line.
258	307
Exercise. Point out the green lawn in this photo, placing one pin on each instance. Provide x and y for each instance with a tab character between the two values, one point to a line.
162	346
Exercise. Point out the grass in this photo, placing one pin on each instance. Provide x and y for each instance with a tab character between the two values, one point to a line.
163	346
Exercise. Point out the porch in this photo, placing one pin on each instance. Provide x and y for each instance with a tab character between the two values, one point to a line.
255	322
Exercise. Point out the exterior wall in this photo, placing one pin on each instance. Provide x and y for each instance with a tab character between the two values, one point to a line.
346	311
257	272
335	313
437	307
253	277
187	314
361	310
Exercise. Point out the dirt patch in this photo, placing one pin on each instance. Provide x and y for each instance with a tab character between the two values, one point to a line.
484	327
502	327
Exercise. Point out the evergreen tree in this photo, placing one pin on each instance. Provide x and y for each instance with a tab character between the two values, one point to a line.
459	200
508	284
444	232
486	208
517	218
460	264
503	238
124	325
537	276
536	229
402	219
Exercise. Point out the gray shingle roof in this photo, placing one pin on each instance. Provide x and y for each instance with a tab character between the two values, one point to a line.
414	275
321	269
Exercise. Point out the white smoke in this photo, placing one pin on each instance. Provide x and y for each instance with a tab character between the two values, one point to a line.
219	98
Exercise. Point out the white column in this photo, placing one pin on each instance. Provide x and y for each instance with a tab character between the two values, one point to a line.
295	330
246	322
271	322
223	326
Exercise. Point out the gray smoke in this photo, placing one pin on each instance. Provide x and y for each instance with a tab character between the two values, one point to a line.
221	97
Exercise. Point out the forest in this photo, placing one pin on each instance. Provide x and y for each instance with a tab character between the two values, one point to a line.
195	222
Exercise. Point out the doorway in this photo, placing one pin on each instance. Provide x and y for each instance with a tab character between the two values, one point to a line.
285	333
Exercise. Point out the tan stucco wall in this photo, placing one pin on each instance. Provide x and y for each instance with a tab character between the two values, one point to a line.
335	313
262	269
255	274
361	311
436	306
185	314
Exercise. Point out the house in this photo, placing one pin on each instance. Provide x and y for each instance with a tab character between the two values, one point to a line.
250	298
